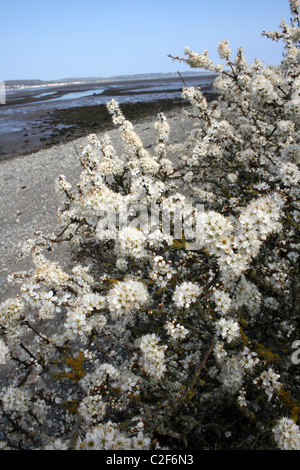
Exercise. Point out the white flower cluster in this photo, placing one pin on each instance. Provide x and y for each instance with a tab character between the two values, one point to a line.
195	96
185	294
113	108
175	330
260	218
234	368
289	173
109	437
153	356
162	271
235	243
131	242
57	444
263	90
92	409
4	352
125	297
147	331
15	400
222	301
269	381
228	329
123	379
11	311
62	185
287	434
223	49
217	232
163	128
197	60
109	164
246	294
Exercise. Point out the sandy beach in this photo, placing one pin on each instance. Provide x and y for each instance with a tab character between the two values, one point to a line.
27	189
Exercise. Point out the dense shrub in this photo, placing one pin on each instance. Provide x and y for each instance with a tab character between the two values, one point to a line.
160	337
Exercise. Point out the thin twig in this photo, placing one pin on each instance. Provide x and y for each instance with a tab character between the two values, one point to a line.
182	79
198	372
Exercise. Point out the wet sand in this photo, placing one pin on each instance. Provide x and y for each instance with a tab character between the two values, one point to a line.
37	119
65	125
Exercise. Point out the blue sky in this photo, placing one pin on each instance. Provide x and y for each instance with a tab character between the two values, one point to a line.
84	38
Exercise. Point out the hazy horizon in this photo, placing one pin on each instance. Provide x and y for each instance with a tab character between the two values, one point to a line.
61	79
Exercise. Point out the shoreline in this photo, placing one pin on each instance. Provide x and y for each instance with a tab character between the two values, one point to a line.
60	126
67	125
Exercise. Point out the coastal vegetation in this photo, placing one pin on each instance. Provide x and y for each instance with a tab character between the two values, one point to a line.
177	327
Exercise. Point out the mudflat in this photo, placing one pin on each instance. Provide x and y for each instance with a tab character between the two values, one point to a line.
42	116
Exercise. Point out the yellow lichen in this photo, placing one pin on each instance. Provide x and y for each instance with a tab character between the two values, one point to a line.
267	355
76	364
290	403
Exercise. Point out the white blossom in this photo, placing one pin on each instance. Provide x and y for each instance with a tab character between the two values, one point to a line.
269	381
228	329
4	352
185	294
175	330
109	437
125	297
153	355
287	434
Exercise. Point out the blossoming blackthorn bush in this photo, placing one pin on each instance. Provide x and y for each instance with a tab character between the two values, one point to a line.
153	340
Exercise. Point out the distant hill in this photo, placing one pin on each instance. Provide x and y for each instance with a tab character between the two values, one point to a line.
10	84
18	83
